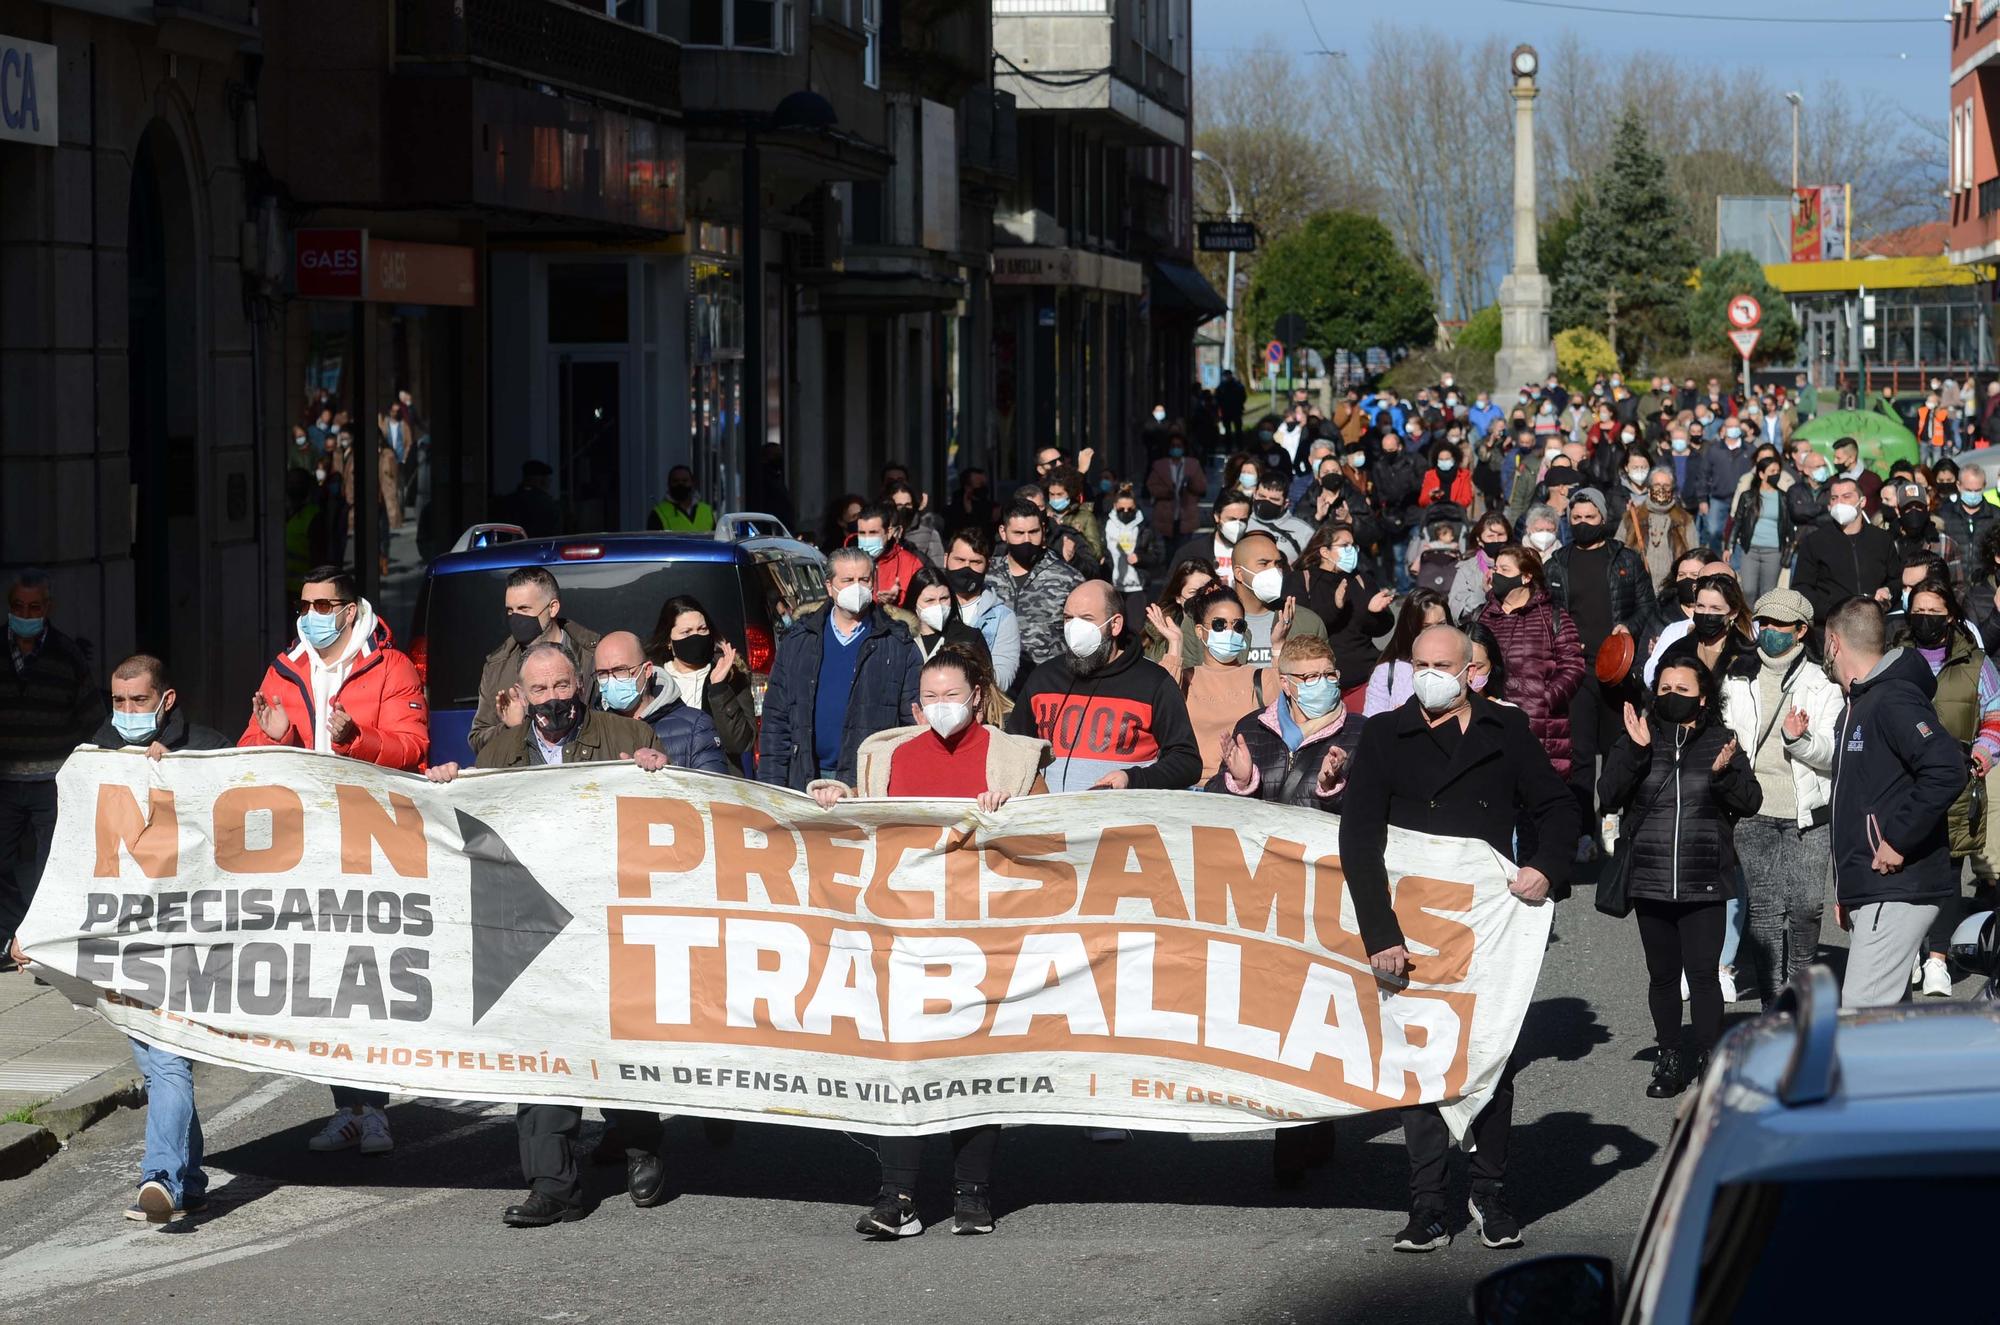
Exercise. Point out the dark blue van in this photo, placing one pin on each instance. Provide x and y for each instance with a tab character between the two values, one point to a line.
751	589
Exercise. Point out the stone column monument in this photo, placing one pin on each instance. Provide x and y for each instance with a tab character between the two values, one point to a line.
1526	353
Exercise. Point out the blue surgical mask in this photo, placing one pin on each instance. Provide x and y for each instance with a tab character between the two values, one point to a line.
870	544
1347	557
1318	696
1176	452
1972	498
1446	464
1226	645
1058	503
26	627
1822	474
1359	460
1680	444
319	631
1104	485
1247	481
136	727
619	693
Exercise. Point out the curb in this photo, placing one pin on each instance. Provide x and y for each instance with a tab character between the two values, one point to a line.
23	1148
80	1106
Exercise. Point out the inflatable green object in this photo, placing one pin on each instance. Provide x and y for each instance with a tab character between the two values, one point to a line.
1883	440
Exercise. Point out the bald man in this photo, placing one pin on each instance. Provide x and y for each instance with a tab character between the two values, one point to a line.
630	686
1452	763
1112	717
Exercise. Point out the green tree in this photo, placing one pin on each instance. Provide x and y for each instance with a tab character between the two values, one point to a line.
1481	332
1345	276
1581	356
1722	278
1631	238
1552	244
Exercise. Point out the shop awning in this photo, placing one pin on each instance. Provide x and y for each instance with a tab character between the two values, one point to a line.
1179	289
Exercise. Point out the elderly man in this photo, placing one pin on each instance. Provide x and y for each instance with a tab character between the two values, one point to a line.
534	616
1112	717
1453	763
841	675
630	686
548	722
1658	528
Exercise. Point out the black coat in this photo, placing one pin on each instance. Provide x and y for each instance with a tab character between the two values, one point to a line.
1834	566
1350	627
1498	778
1967	526
1286	776
176	733
1679	830
885	685
1396	480
1632	594
1896	772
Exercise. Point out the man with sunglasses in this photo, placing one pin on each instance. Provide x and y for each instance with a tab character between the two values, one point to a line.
340	688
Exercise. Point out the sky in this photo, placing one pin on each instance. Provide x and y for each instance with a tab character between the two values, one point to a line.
1907	62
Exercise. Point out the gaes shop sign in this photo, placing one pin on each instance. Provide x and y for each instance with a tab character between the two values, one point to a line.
27	92
331	263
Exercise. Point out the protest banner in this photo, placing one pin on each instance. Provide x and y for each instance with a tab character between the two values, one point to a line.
605	936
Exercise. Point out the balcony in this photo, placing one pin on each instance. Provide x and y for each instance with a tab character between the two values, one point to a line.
545	41
1046	57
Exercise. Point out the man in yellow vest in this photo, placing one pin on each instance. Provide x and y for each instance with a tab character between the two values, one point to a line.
680	513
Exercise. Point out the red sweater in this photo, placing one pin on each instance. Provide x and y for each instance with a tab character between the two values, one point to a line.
928	766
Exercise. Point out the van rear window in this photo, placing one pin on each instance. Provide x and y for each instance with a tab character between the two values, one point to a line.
464	618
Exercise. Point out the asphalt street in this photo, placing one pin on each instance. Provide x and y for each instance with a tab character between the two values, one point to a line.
1160	1228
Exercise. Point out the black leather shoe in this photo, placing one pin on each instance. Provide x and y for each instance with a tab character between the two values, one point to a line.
646	1180
540	1210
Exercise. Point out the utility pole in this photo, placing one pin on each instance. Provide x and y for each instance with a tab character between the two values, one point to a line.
1797	102
1229	293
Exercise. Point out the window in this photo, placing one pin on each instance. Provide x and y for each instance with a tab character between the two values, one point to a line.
871	55
743	25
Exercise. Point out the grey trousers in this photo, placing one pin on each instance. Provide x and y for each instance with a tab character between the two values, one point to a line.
1759	572
1787	872
1887	938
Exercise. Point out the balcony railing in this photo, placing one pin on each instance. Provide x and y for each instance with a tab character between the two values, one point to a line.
1989	196
545	41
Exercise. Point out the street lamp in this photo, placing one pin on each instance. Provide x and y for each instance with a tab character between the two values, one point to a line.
1797	103
1229	294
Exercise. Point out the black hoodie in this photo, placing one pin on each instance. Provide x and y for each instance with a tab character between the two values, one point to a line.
1127	717
175	732
1896	772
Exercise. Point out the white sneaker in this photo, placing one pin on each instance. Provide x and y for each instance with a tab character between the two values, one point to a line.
1937	978
342	1132
1916	972
1726	977
375	1138
1684	986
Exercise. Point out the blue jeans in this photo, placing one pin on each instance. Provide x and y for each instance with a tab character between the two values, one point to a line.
1710	526
173	1130
1732	928
1399	557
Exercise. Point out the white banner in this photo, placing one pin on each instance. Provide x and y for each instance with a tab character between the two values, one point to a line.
595	934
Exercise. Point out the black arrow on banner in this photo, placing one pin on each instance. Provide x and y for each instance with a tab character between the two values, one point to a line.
513	918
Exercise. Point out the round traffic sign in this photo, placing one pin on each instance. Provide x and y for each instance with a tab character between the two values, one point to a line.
1274	353
1745	312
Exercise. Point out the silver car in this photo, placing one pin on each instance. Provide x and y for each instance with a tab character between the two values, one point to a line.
1837	1165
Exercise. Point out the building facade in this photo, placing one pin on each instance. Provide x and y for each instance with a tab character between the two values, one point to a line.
1973	166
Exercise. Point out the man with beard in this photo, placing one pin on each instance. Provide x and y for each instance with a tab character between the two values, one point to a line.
1112	717
548	723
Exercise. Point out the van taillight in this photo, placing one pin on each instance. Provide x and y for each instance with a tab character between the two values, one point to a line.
420	655
581	551
759	648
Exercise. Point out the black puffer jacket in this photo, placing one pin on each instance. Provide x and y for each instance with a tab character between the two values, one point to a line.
1632	597
1286	776
1680	825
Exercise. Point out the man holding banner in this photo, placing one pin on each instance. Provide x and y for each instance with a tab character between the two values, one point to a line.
1451	762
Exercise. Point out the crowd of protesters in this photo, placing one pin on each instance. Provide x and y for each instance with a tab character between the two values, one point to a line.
1642	630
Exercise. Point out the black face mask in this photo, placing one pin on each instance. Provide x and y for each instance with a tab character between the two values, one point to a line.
1676	708
525	629
554	717
1587	535
1491	547
964	582
1771	478
1125	514
1685	591
679	491
1710	626
1929	632
1504	585
695	650
1267	510
1024	555
1915	522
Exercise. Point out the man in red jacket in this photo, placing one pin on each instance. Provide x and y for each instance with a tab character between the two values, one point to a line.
341	689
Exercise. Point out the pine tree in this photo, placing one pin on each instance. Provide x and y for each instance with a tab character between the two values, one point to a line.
1632	238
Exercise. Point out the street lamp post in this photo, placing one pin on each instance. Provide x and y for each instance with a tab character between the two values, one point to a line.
1229	294
1797	102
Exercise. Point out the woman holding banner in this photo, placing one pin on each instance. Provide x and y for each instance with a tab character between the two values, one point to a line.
956	748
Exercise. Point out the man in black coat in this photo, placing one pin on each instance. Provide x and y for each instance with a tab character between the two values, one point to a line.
1454	764
1847	557
145	713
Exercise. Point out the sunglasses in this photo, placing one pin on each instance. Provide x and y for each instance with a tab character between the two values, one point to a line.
1225	623
323	606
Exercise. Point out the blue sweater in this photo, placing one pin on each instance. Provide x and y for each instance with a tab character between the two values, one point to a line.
836	679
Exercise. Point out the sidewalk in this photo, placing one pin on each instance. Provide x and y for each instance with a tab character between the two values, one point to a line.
47	1045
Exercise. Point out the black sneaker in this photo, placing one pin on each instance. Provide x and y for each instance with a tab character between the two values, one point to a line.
1425	1231
894	1216
1495	1222
971	1212
1668	1080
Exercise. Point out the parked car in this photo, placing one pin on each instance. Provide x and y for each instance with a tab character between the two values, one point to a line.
752	589
1831	1165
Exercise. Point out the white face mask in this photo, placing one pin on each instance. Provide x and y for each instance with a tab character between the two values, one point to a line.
933	616
1843	513
1231	530
947	718
1083	638
1437	689
1268	584
853	599
1542	540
